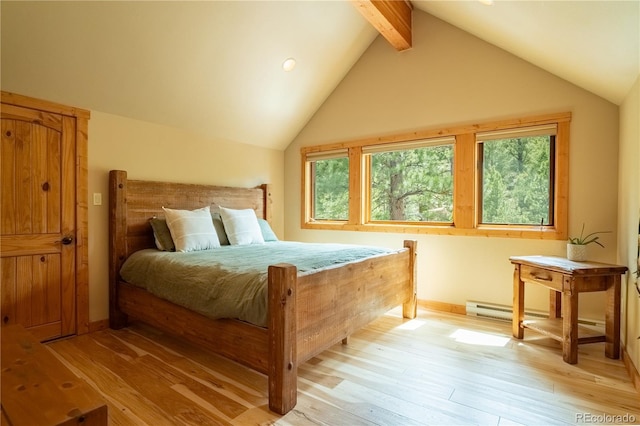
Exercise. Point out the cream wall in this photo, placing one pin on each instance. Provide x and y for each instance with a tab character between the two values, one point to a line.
450	77
153	152
628	217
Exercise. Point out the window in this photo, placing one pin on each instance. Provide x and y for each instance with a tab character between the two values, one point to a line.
330	185
506	178
411	182
516	182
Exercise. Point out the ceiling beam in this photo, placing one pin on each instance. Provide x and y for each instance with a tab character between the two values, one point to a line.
392	19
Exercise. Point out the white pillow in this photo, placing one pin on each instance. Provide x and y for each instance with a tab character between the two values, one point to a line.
191	230
242	226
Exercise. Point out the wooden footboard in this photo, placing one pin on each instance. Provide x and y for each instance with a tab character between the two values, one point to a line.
310	313
334	303
307	313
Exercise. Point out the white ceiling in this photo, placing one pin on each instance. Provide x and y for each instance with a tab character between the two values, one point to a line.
214	67
593	44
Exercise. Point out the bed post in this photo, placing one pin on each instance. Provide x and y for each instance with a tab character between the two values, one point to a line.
410	307
117	242
283	364
267	213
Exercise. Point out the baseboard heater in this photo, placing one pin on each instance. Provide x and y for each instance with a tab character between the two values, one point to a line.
505	313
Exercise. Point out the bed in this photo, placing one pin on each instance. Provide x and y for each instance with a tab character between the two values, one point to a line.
307	313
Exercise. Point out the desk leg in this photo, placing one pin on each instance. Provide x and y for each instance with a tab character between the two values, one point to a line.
555	304
612	318
570	326
518	304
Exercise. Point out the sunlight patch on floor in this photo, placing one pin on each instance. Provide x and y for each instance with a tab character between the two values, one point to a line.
411	325
478	338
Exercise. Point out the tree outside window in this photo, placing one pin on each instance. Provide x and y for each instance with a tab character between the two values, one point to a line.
412	185
517	180
330	189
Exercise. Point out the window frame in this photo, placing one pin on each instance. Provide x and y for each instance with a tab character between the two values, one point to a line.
550	130
466	184
312	159
370	150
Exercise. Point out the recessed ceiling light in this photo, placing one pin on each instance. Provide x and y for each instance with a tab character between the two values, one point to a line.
486	2
289	64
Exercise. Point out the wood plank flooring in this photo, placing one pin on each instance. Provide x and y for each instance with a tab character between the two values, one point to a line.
438	369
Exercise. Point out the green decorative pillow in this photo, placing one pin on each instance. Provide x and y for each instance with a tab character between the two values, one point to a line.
162	234
267	232
217	223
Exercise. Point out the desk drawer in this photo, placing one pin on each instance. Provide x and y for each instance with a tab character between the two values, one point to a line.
541	276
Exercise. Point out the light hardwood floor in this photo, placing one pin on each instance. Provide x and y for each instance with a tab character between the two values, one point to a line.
437	369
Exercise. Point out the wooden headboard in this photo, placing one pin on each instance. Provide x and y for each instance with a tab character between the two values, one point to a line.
133	202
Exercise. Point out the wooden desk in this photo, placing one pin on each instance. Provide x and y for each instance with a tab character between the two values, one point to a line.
566	280
37	389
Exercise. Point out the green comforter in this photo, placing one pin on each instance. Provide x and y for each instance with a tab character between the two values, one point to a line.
231	281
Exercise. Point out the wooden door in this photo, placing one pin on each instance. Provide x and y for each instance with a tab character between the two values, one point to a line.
38	221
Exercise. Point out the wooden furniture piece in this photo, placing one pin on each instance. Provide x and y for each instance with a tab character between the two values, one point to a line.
307	313
566	279
43	217
37	389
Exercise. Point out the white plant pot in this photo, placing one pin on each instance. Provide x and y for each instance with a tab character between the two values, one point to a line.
577	252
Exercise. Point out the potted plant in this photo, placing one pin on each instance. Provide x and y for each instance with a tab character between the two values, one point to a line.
577	246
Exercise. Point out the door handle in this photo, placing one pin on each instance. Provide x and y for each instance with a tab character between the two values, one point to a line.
67	239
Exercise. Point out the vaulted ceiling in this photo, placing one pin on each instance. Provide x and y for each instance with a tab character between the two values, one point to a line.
593	44
215	67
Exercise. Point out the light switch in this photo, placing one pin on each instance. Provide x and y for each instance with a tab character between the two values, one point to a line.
97	199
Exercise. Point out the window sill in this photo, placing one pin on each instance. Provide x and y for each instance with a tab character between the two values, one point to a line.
535	232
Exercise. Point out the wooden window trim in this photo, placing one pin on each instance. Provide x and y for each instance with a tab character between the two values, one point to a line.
466	184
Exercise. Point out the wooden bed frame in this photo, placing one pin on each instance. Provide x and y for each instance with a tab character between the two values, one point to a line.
307	314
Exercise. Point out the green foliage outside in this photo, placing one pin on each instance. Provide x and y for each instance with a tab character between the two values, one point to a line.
331	191
413	185
416	185
516	181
